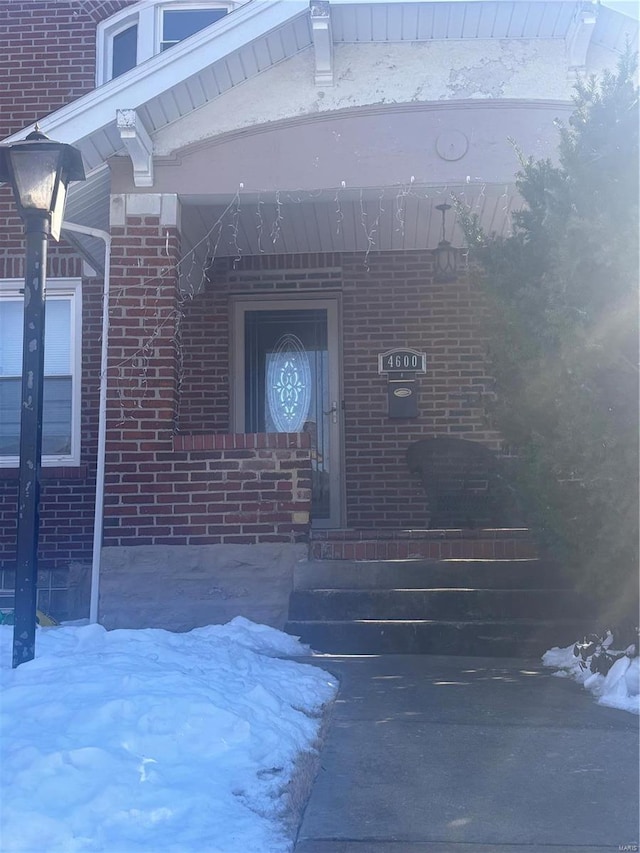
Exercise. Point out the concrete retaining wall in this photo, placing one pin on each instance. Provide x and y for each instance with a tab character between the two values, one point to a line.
180	587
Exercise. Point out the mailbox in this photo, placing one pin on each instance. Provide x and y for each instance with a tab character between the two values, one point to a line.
401	367
403	398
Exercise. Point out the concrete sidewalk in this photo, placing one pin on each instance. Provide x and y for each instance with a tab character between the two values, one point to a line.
470	755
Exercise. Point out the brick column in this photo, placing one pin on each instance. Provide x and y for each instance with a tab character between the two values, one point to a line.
143	356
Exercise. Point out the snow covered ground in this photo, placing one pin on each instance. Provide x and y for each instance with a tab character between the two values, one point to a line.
130	741
618	689
153	742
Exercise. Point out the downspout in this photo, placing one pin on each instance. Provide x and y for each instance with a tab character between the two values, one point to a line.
98	521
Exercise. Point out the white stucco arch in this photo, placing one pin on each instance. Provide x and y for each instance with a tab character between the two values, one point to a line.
371	147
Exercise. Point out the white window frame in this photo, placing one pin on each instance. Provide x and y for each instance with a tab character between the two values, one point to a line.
148	15
106	32
70	288
107	45
176	6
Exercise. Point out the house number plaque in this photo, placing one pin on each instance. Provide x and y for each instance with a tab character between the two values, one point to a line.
396	361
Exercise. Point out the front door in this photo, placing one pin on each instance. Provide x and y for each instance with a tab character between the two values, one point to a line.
287	379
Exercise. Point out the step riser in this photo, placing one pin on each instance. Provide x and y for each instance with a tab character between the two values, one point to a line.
437	604
526	574
486	640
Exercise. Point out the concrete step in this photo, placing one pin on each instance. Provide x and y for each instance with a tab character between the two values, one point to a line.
503	638
427	574
433	604
502	607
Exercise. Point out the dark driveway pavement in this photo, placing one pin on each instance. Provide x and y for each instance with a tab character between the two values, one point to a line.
470	755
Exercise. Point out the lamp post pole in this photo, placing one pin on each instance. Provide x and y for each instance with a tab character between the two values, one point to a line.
39	171
26	587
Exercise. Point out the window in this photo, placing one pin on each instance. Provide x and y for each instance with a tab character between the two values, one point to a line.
179	24
148	28
124	51
61	393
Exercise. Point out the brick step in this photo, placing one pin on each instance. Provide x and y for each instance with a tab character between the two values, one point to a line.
433	604
389	544
427	574
504	638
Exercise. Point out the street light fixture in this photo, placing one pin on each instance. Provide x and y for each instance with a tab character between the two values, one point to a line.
39	171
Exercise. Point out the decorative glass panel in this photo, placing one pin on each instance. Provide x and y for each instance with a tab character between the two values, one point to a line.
288	385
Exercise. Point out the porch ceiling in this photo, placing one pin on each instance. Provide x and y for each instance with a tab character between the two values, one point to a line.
413	22
340	220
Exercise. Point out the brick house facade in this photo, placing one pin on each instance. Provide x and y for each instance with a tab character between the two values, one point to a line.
257	173
39	41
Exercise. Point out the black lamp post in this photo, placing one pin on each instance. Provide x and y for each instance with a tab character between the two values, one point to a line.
446	260
38	170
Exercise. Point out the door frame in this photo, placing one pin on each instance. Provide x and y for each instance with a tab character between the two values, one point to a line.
239	306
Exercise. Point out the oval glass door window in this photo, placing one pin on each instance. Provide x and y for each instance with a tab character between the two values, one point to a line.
288	384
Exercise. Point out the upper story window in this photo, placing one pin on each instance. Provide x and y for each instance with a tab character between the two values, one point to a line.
124	50
179	24
62	365
149	27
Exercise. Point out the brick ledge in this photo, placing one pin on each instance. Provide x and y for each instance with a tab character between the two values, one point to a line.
62	472
395	534
242	441
482	544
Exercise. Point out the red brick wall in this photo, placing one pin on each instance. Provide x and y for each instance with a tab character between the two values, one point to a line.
67	494
395	302
163	490
205	335
47	59
211	489
47	55
391	301
143	366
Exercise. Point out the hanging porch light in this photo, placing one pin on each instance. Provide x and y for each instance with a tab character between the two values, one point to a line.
445	254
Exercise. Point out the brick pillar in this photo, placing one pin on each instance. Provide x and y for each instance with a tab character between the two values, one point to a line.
143	356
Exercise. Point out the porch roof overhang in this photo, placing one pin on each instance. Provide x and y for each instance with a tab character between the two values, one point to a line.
264	33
